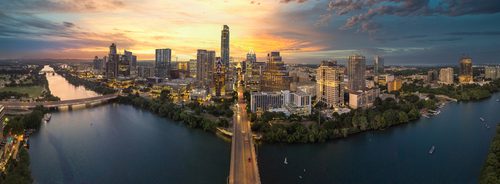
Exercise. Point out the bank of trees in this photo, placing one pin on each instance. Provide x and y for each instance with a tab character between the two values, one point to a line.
386	113
17	124
165	108
490	173
18	171
463	92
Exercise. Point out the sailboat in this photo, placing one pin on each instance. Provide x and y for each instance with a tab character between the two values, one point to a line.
285	162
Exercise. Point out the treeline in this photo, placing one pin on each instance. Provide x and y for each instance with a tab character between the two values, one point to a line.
9	94
490	173
17	124
18	171
386	113
98	87
463	92
165	108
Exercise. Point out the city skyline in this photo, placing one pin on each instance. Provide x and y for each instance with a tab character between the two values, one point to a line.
303	31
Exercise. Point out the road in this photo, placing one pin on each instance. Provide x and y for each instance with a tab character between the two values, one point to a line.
243	168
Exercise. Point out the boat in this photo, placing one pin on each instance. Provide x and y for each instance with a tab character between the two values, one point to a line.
46	117
285	162
482	119
432	150
498	100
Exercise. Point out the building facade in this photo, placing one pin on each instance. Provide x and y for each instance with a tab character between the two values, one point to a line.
378	65
163	62
291	103
465	73
492	72
446	76
275	76
356	67
112	63
330	84
363	99
394	85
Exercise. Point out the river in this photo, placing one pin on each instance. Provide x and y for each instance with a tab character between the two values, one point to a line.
121	144
60	87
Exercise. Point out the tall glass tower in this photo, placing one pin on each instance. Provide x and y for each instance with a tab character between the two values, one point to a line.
224	46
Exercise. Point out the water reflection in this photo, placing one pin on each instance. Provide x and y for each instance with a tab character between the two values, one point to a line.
61	88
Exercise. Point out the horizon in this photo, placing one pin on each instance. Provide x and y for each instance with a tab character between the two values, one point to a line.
408	32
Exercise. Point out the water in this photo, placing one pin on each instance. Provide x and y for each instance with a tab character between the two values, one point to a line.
61	88
396	155
122	144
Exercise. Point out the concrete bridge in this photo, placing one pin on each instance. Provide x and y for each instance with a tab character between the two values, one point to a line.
57	104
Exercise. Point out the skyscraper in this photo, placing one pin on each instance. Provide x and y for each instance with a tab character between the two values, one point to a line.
205	67
275	77
112	63
163	61
219	79
356	67
192	68
330	84
378	65
224	45
251	57
98	65
465	73
446	76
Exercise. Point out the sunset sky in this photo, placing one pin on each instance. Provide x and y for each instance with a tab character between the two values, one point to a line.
305	31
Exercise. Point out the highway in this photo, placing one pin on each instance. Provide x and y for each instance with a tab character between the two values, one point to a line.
243	167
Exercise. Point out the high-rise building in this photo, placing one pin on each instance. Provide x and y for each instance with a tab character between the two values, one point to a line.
330	84
378	65
465	73
132	63
192	68
98	65
356	67
492	72
251	57
432	75
163	62
446	76
205	66
224	45
145	71
275	76
112	63
219	88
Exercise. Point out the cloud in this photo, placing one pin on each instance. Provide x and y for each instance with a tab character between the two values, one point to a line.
68	24
298	1
475	33
402	8
61	5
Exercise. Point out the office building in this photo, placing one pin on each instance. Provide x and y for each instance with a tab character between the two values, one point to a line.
275	76
224	45
112	63
251	57
163	62
378	65
446	76
330	84
145	71
219	88
356	67
98	65
192	68
205	67
465	72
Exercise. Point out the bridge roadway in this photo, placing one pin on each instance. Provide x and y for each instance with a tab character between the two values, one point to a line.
243	167
50	104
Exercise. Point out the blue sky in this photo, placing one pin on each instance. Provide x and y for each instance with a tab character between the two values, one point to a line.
305	31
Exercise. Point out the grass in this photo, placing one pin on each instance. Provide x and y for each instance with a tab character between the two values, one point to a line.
32	91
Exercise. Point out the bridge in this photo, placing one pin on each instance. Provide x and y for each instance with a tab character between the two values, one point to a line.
14	105
243	168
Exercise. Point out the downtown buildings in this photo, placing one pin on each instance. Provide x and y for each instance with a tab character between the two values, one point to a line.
298	103
492	72
378	66
115	65
275	77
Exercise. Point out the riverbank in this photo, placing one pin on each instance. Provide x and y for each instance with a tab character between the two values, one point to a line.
491	168
98	87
